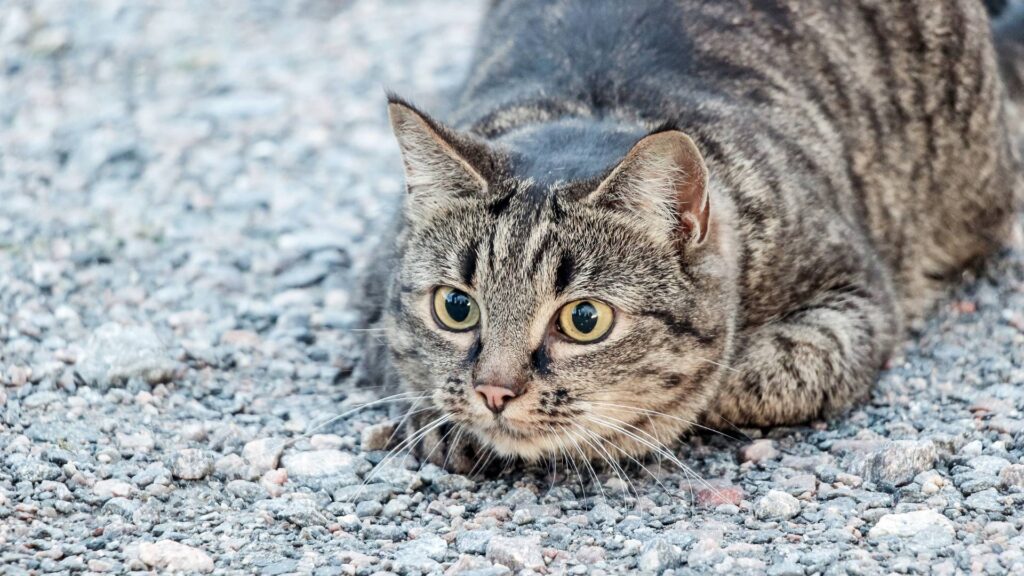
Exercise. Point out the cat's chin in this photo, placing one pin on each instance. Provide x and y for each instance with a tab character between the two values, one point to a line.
510	438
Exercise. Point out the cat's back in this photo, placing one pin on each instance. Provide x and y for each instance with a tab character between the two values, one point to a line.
887	115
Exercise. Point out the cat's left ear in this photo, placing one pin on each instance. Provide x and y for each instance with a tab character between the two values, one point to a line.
663	181
437	167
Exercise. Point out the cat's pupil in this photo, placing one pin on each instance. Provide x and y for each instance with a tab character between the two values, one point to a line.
584	317
457	305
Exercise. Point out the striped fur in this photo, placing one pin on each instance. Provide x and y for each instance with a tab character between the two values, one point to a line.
857	155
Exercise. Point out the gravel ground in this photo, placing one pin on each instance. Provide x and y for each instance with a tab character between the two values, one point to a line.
185	188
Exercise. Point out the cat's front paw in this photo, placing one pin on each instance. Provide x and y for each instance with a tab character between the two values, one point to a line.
450	447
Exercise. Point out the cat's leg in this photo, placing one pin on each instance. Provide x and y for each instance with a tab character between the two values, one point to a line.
814	362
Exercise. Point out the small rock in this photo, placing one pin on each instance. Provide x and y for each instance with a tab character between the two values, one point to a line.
758	450
232	466
368	508
299	509
517	553
317	463
473	541
658	555
376	436
1012	476
453	482
925	527
192	464
714	496
984	501
174	557
522	516
896	463
591	554
138	443
111	488
264	453
423	553
117	353
602	513
988	465
476	566
776	505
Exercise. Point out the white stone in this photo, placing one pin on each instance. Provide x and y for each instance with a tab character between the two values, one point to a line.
516	553
924	526
264	453
776	505
111	488
174	557
316	463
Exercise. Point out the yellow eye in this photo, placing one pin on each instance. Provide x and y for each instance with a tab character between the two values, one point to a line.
585	320
455	310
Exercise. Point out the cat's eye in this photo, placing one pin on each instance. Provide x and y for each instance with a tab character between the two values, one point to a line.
455	310
585	320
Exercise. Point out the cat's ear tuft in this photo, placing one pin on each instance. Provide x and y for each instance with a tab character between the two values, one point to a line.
664	182
435	170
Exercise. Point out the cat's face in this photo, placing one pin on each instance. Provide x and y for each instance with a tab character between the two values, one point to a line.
591	318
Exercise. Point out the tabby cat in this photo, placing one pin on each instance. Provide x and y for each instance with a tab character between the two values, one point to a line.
648	216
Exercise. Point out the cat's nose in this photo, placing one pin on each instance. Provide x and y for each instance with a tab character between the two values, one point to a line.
496	397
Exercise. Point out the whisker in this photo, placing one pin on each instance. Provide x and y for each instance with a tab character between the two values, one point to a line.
598	443
407	443
455	442
586	462
656	445
571	461
400	397
670	416
719	364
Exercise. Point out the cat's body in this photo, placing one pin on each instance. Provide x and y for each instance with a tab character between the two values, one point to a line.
855	155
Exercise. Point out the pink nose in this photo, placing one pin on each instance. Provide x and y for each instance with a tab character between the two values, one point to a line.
495	397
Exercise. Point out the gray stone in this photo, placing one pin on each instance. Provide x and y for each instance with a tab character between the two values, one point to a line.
264	453
453	482
658	555
518	553
896	463
776	505
192	464
174	557
317	464
368	508
299	509
926	528
116	353
473	541
423	553
984	501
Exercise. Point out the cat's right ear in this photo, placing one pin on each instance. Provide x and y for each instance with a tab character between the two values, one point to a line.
663	183
435	170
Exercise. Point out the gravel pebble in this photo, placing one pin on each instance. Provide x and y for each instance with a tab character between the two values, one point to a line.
926	527
263	454
174	557
776	505
116	353
517	553
192	464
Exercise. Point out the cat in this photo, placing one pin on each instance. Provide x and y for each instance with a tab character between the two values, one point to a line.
646	217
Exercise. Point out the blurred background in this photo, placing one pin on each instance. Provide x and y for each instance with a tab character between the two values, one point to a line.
190	164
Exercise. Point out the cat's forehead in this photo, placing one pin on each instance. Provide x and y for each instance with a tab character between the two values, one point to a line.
566	150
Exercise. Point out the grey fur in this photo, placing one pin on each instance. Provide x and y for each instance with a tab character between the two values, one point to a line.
858	157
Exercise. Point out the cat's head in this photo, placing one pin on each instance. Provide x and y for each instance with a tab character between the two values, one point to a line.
546	315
